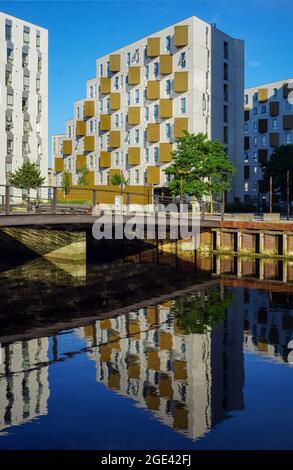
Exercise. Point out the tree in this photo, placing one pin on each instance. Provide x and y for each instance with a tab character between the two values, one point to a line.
277	166
66	182
119	180
199	167
82	177
27	177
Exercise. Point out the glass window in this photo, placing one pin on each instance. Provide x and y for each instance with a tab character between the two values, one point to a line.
255	141
136	176
101	106
168	87
39	64
246	186
183	105
91	127
146	72
137	136
246	99
156	111
168	131
168	43
137	95
91	91
26	37
147	155
147	113
255	96
288	105
275	124
116	158
128	58
156	154
38	84
255	110
38	39
264	140
275	92
9	101
9	55
128	98
255	128
26	82
156	69
8	32
255	156
288	137
255	170
182	60
116	120
116	82
108	105
246	127
101	70
263	109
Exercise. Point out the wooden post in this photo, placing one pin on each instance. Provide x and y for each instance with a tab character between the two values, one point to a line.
7	199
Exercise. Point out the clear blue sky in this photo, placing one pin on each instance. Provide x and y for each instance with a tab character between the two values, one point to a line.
79	32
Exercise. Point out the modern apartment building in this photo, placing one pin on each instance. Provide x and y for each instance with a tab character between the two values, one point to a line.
268	123
188	76
23	95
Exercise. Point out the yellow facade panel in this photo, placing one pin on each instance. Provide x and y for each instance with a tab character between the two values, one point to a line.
90	177
105	122
262	94
180	125
153	132
115	63
153	175
105	159
153	89
180	82
134	75
133	155
105	85
89	143
80	162
180	35
89	108
67	147
59	164
166	108
114	172
80	128
134	115
114	139
166	65
165	152
114	101
153	47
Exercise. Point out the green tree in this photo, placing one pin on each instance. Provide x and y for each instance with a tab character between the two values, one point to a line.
199	167
277	166
198	312
119	180
27	177
66	182
82	177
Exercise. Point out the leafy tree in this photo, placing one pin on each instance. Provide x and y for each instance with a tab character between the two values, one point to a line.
199	167
27	177
119	180
82	177
198	312
277	166
66	182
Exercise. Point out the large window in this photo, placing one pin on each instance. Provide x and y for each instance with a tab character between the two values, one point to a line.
8	31
168	43
26	36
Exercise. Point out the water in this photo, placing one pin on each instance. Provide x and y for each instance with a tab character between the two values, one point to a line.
140	355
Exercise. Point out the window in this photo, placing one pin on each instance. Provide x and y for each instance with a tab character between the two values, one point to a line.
146	72
116	82
246	186
24	60
136	136
168	87
146	155
168	131
101	106
275	92
39	64
9	55
136	176
26	36
182	60
91	91
8	31
226	92
246	157
263	140
78	113
168	43
8	78
263	109
69	131
255	96
246	129
255	129
9	101
225	113
156	111
128	58
225	133
255	156
183	105
26	82
38	39
38	84
91	127
246	99
137	95
288	105
39	106
108	69
226	50
255	141
147	113
108	105
116	120
116	158
255	184
101	70
156	69
226	71
128	98
288	137
156	154
101	141
9	146
275	124
255	110
255	170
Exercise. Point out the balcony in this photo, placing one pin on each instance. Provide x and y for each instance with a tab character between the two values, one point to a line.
80	128
90	178
80	162
180	125
166	108
153	132
165	152
105	159
115	63
105	85
133	75
114	139
114	172
180	82
133	155
153	89
153	175
115	101
153	47
59	164
67	147
274	108
166	65
89	109
181	36
105	122
89	143
274	139
262	126
262	95
134	115
288	122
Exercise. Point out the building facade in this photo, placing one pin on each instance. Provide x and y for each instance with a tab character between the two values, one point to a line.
268	123
23	95
186	77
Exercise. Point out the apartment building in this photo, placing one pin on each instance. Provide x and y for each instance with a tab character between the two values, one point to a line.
268	123
188	76
23	95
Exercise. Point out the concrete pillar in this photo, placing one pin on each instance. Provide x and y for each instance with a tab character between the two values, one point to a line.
239	241
261	242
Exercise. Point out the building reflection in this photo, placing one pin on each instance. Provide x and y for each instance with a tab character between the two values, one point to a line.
24	387
188	381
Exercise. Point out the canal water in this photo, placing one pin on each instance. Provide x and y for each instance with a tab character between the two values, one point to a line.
145	354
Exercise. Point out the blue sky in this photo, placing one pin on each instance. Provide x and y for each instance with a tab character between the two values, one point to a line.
79	32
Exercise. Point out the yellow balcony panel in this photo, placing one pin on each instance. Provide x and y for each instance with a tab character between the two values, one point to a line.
114	101
115	63
181	35
89	108
105	85
153	132
166	108
114	139
180	82
90	177
114	172
262	94
133	155
165	152
153	89
134	75
105	122
105	159
166	65
153	175
134	115
89	143
80	162
180	125
67	147
80	128
59	164
153	47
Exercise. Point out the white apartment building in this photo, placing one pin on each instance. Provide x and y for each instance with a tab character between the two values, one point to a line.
268	123
23	95
188	76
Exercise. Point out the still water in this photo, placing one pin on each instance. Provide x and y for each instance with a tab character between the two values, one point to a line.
140	355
